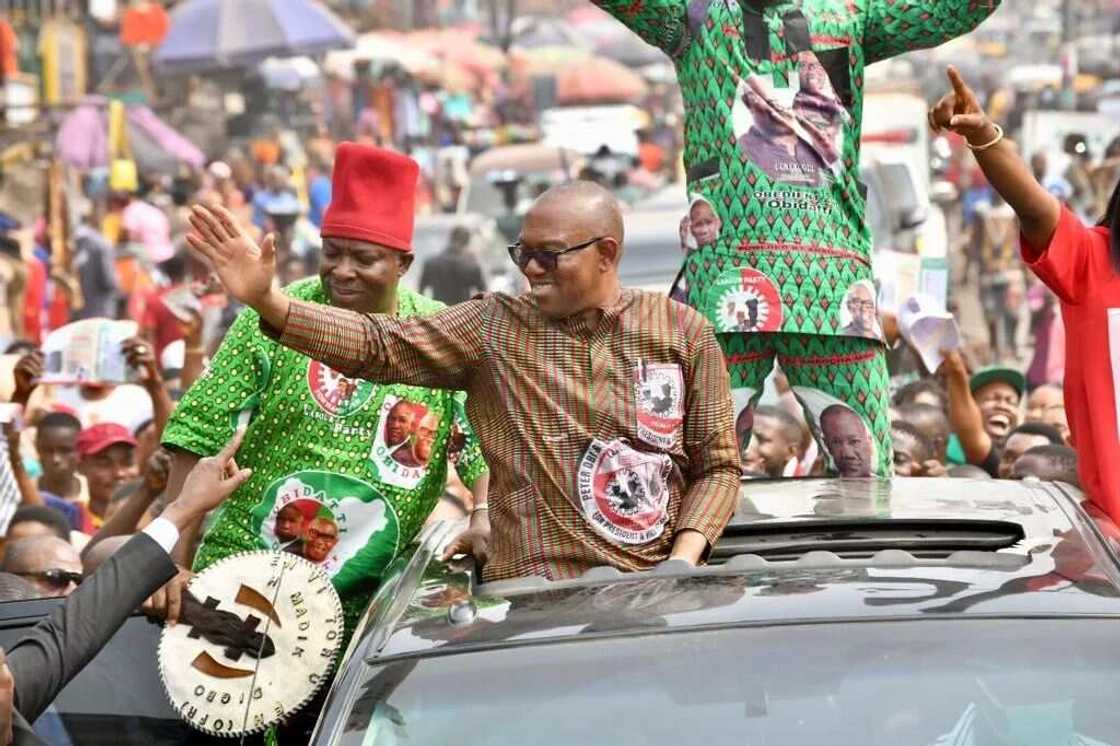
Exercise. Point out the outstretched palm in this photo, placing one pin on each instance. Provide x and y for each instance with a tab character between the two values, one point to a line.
246	269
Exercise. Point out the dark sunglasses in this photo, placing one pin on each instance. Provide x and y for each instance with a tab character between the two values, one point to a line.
546	259
55	577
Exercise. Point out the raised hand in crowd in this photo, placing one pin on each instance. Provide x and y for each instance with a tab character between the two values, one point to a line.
960	111
28	490
210	482
246	269
141	356
28	370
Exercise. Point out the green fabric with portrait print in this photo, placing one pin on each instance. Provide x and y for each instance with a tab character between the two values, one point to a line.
318	441
773	105
823	373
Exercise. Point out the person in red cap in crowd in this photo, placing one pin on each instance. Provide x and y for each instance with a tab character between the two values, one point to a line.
107	459
316	439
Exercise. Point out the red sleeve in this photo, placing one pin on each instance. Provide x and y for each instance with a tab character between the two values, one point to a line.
1065	264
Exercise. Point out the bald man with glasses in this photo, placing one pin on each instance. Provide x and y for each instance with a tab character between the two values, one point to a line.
604	413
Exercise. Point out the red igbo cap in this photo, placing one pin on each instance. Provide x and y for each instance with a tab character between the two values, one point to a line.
373	196
94	440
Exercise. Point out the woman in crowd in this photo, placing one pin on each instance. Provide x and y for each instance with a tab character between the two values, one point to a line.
1081	265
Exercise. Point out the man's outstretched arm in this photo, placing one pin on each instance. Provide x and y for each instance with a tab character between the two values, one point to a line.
440	351
894	27
662	23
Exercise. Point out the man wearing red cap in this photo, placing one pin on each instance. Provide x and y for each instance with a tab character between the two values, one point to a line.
605	412
107	459
318	442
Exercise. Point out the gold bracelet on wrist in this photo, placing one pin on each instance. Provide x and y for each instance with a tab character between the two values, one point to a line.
988	146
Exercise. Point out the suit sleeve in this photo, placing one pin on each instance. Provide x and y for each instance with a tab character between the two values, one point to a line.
60	646
1066	264
894	27
662	23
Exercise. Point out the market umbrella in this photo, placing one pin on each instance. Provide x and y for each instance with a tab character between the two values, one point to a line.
599	80
83	140
221	34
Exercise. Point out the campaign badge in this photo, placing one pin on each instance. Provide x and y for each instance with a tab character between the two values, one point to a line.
332	520
336	394
404	443
659	393
745	301
258	635
624	493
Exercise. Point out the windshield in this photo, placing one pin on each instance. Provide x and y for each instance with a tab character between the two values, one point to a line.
976	682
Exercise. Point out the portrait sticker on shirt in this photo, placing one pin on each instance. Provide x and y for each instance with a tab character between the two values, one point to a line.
403	444
335	393
330	519
859	313
745	300
659	393
794	134
841	430
624	493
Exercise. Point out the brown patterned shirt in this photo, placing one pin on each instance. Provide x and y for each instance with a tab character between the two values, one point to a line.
603	438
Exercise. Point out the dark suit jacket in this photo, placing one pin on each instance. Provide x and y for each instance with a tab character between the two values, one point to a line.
61	645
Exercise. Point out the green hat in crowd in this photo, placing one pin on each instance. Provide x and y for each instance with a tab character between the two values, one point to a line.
1010	376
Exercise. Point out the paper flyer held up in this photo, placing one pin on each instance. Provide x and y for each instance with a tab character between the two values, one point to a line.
88	351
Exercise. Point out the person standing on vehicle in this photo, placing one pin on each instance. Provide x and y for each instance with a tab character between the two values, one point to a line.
773	105
605	413
1081	264
318	440
453	275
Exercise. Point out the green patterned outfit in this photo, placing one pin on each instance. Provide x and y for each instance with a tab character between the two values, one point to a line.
773	105
344	471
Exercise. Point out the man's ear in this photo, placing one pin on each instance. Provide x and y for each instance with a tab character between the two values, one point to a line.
405	261
610	254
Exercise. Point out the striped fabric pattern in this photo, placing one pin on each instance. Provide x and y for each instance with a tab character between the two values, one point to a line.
540	391
9	489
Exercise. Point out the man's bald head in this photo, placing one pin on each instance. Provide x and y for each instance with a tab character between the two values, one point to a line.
570	249
30	558
586	203
96	555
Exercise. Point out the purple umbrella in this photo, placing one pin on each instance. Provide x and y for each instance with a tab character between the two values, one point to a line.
221	34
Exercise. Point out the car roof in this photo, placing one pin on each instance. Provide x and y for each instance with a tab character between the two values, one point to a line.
797	551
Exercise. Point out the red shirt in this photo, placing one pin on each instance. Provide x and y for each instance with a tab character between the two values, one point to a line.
1078	268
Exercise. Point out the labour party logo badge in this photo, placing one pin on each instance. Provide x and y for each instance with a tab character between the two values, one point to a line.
624	493
746	301
335	393
257	637
659	391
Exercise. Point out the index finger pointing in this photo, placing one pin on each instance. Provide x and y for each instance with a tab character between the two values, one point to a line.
959	86
227	453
